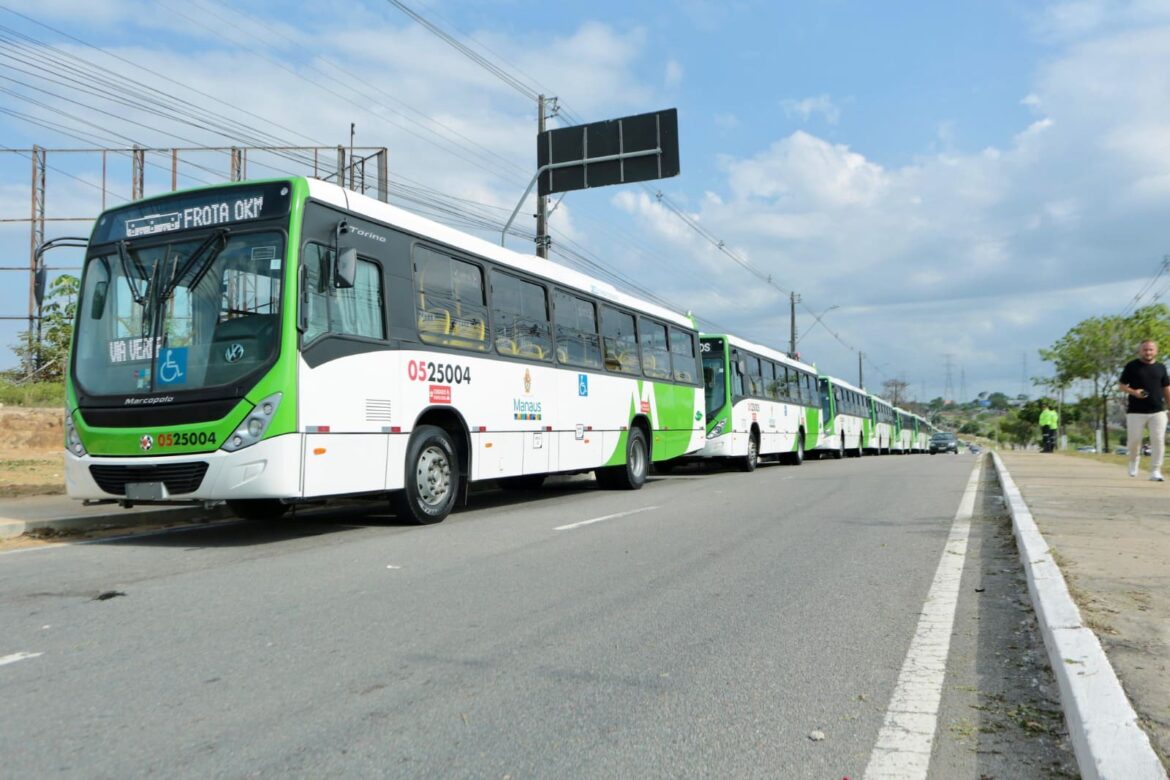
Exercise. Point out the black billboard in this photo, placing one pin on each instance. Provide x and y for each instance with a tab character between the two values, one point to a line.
616	151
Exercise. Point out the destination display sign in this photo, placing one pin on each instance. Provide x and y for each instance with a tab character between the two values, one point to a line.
194	211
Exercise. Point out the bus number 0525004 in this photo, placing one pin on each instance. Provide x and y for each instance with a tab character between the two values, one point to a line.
424	371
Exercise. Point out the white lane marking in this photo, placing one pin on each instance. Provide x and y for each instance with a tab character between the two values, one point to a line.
904	743
11	659
571	526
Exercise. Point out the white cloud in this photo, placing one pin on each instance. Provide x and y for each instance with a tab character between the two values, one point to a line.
806	108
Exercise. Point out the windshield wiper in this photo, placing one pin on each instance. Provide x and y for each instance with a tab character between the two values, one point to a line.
204	265
131	280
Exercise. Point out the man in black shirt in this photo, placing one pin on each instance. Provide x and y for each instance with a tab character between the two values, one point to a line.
1146	383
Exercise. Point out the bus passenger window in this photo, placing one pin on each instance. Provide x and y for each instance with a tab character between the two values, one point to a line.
619	341
451	307
577	341
655	350
520	317
682	354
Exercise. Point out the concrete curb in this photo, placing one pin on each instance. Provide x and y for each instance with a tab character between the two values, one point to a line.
118	518
1106	737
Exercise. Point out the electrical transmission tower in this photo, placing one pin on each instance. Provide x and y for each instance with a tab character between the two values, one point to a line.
949	387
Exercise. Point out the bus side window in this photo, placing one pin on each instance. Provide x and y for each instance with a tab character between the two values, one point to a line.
451	308
619	341
655	350
576	331
520	319
682	353
353	311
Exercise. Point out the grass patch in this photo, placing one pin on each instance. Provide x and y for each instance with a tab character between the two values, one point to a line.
37	394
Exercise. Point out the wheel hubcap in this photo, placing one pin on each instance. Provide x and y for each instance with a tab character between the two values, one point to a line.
433	476
637	459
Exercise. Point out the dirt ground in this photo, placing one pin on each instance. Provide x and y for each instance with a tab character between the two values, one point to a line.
32	451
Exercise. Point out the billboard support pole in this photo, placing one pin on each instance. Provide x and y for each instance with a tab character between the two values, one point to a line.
556	166
542	239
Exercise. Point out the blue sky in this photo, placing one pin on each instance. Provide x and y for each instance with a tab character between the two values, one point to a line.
968	179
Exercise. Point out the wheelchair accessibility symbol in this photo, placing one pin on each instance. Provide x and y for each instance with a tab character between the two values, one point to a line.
582	384
172	366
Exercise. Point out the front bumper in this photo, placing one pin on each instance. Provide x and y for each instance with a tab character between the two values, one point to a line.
269	469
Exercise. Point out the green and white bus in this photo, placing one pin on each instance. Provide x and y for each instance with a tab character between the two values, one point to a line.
844	414
273	342
906	432
883	422
759	402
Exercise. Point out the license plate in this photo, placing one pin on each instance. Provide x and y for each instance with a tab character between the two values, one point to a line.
146	491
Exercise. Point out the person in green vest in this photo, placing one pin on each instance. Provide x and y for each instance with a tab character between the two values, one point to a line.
1049	421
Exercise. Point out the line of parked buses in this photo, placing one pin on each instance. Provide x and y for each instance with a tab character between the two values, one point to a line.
267	343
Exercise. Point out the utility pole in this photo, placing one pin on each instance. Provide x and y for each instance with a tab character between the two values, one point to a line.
793	299
542	240
860	376
352	132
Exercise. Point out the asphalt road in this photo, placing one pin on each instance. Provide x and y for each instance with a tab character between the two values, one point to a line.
704	626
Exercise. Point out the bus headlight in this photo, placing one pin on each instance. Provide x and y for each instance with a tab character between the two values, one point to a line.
252	429
72	438
717	430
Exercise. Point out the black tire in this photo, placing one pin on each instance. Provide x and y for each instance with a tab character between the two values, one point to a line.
258	509
797	457
632	475
432	477
752	459
525	482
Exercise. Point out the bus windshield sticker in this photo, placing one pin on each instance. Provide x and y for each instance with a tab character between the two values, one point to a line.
262	253
172	366
133	350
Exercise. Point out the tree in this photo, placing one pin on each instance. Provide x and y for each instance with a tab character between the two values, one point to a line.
895	390
998	401
46	359
1096	349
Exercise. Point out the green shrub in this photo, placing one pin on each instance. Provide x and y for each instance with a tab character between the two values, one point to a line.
32	393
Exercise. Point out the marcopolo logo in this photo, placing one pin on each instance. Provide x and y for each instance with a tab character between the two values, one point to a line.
525	410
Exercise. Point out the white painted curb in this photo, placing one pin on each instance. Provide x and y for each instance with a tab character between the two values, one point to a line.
1102	724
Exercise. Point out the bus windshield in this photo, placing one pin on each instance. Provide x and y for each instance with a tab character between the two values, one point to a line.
178	312
714	383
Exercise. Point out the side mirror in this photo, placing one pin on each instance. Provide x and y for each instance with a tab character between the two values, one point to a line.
98	305
346	269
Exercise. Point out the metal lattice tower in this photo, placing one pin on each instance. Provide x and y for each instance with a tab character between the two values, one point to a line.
949	387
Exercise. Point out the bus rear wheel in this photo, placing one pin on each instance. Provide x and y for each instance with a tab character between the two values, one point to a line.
632	475
432	477
258	509
796	457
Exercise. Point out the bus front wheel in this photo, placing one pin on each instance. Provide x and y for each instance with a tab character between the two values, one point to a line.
432	477
752	459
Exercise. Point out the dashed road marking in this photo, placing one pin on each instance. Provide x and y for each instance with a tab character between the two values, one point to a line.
14	657
571	526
